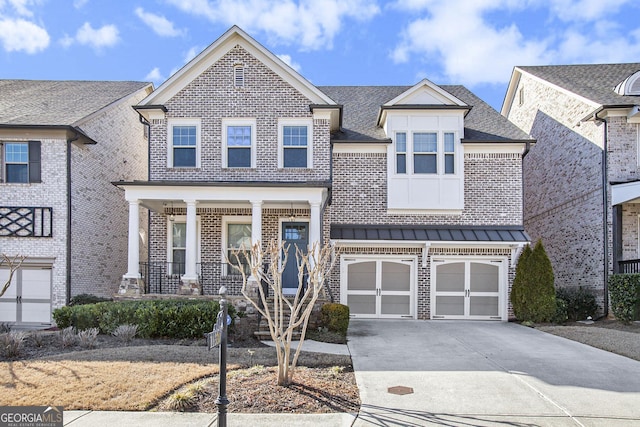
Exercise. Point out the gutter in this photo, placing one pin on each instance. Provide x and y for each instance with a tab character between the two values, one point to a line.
146	123
68	260
605	206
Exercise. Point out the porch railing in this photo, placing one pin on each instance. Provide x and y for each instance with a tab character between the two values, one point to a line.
164	277
629	266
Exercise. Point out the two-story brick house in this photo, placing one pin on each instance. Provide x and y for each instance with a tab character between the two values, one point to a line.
581	179
61	145
419	187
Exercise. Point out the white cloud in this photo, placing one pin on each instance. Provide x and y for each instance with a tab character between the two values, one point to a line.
585	10
310	24
191	53
78	4
287	60
158	23
105	36
154	76
20	7
20	35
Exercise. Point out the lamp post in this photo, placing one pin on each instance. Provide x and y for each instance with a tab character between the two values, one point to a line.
222	400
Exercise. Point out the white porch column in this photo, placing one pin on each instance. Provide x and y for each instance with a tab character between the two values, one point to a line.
133	263
256	221
314	225
191	252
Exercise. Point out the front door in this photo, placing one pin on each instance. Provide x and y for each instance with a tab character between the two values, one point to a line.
295	234
467	289
378	287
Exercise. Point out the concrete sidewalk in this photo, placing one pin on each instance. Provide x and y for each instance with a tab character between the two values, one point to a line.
487	374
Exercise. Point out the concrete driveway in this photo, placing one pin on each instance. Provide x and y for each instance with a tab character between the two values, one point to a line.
487	374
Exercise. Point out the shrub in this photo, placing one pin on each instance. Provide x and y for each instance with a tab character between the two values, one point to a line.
533	295
126	333
580	302
68	336
11	343
38	339
561	311
86	299
624	290
155	318
88	338
335	317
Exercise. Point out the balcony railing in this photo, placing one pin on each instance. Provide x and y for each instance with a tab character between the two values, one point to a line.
629	266
164	277
26	221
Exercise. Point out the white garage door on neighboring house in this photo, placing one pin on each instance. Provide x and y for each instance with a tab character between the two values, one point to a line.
378	287
28	299
468	288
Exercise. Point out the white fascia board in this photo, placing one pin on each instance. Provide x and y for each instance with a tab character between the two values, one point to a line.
623	193
360	147
423	244
232	37
496	147
448	99
511	92
224	194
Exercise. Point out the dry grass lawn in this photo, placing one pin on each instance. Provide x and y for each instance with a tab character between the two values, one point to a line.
105	384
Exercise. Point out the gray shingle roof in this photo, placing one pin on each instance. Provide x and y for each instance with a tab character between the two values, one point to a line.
361	105
54	103
429	233
592	81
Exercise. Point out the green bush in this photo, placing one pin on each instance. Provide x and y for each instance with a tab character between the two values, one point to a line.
87	299
624	291
155	318
335	317
533	295
580	302
561	312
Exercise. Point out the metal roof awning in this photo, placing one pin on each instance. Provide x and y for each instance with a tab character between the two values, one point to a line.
495	234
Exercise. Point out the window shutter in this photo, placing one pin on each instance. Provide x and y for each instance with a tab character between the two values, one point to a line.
34	161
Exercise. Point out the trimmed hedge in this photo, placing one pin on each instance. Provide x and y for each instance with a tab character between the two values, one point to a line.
624	291
155	318
87	299
335	317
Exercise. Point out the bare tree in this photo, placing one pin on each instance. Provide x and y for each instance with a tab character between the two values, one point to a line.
313	268
13	264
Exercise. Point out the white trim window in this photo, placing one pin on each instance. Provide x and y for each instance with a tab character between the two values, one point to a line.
239	143
449	153
295	143
401	153
236	235
183	142
177	243
425	152
16	161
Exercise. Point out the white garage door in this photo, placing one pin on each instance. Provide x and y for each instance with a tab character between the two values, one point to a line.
468	289
378	287
28	299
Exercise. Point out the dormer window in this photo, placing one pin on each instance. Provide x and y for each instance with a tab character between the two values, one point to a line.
238	75
630	85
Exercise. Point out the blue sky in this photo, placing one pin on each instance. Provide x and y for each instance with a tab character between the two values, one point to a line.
331	42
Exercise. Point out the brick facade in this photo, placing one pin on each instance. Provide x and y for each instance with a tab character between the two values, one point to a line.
563	183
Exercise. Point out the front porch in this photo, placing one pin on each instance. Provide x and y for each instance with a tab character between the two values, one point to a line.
195	227
625	198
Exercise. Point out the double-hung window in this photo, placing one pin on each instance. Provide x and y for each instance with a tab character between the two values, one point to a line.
449	153
238	239
21	161
239	144
184	144
425	153
401	153
295	139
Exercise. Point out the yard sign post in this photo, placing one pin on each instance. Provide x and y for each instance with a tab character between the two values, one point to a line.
222	400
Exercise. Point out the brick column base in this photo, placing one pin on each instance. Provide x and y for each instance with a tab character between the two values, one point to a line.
131	286
189	288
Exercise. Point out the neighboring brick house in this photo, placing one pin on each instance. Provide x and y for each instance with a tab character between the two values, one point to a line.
61	145
582	178
418	187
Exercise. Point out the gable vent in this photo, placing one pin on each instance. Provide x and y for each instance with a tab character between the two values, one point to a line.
238	75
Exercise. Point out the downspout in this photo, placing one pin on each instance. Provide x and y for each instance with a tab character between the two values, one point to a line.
605	210
68	260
